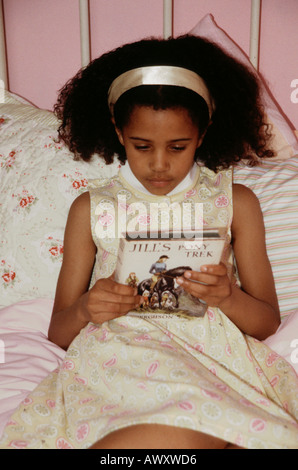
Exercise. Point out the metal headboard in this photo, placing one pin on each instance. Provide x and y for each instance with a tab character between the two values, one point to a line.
167	32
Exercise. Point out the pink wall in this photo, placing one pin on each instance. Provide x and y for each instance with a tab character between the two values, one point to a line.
44	51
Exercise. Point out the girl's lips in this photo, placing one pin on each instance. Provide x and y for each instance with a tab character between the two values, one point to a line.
159	182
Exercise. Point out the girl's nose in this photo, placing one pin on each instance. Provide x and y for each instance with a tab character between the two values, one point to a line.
159	161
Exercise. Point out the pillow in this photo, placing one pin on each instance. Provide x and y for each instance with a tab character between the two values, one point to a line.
284	342
29	355
39	181
284	141
20	109
276	186
275	182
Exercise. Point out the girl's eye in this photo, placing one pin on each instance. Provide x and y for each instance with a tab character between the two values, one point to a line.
175	148
142	147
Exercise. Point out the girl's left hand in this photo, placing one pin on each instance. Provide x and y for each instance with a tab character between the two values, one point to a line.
211	284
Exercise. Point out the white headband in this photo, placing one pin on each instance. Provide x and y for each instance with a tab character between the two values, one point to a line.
159	75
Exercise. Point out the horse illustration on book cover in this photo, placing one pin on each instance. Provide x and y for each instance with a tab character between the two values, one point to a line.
152	265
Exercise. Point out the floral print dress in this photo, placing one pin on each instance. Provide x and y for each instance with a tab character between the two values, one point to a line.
200	373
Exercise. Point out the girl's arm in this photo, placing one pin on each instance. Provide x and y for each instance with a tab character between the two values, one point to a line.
74	304
254	307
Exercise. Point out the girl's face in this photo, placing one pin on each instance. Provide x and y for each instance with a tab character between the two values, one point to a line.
160	146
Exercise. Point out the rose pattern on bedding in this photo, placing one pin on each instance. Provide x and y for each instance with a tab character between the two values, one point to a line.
25	201
53	143
51	251
39	180
7	162
56	249
73	184
8	274
13	278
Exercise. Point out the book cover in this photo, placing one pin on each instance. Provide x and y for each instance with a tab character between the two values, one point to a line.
153	265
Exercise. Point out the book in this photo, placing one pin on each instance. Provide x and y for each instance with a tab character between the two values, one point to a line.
153	265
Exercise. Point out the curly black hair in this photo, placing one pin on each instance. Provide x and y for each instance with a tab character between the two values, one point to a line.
238	129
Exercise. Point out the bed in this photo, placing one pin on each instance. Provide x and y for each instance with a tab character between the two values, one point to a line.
39	181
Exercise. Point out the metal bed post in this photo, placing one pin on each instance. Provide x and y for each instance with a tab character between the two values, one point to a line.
167	18
167	32
3	62
84	32
255	32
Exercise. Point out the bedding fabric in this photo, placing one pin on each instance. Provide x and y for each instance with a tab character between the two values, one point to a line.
39	180
285	341
276	186
27	354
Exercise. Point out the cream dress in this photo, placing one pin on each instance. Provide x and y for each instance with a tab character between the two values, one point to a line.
199	373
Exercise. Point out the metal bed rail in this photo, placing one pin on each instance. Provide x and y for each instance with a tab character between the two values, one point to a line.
85	36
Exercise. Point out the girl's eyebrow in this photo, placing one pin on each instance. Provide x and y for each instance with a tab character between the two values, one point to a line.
183	139
140	138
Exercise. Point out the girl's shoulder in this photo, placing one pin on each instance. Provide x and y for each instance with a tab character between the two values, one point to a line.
78	230
243	195
80	207
246	207
82	201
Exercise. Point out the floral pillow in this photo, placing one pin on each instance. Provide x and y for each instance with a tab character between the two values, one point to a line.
39	181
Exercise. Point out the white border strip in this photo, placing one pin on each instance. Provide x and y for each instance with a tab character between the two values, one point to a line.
255	32
84	32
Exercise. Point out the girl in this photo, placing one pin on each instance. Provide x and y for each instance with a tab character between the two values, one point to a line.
178	113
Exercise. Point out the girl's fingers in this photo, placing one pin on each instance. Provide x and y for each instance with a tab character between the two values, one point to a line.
215	269
113	303
109	285
208	274
109	297
211	284
199	278
112	291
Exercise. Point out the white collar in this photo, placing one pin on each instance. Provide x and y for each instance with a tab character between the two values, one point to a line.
127	173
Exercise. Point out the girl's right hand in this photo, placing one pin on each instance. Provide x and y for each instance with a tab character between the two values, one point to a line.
107	300
75	305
